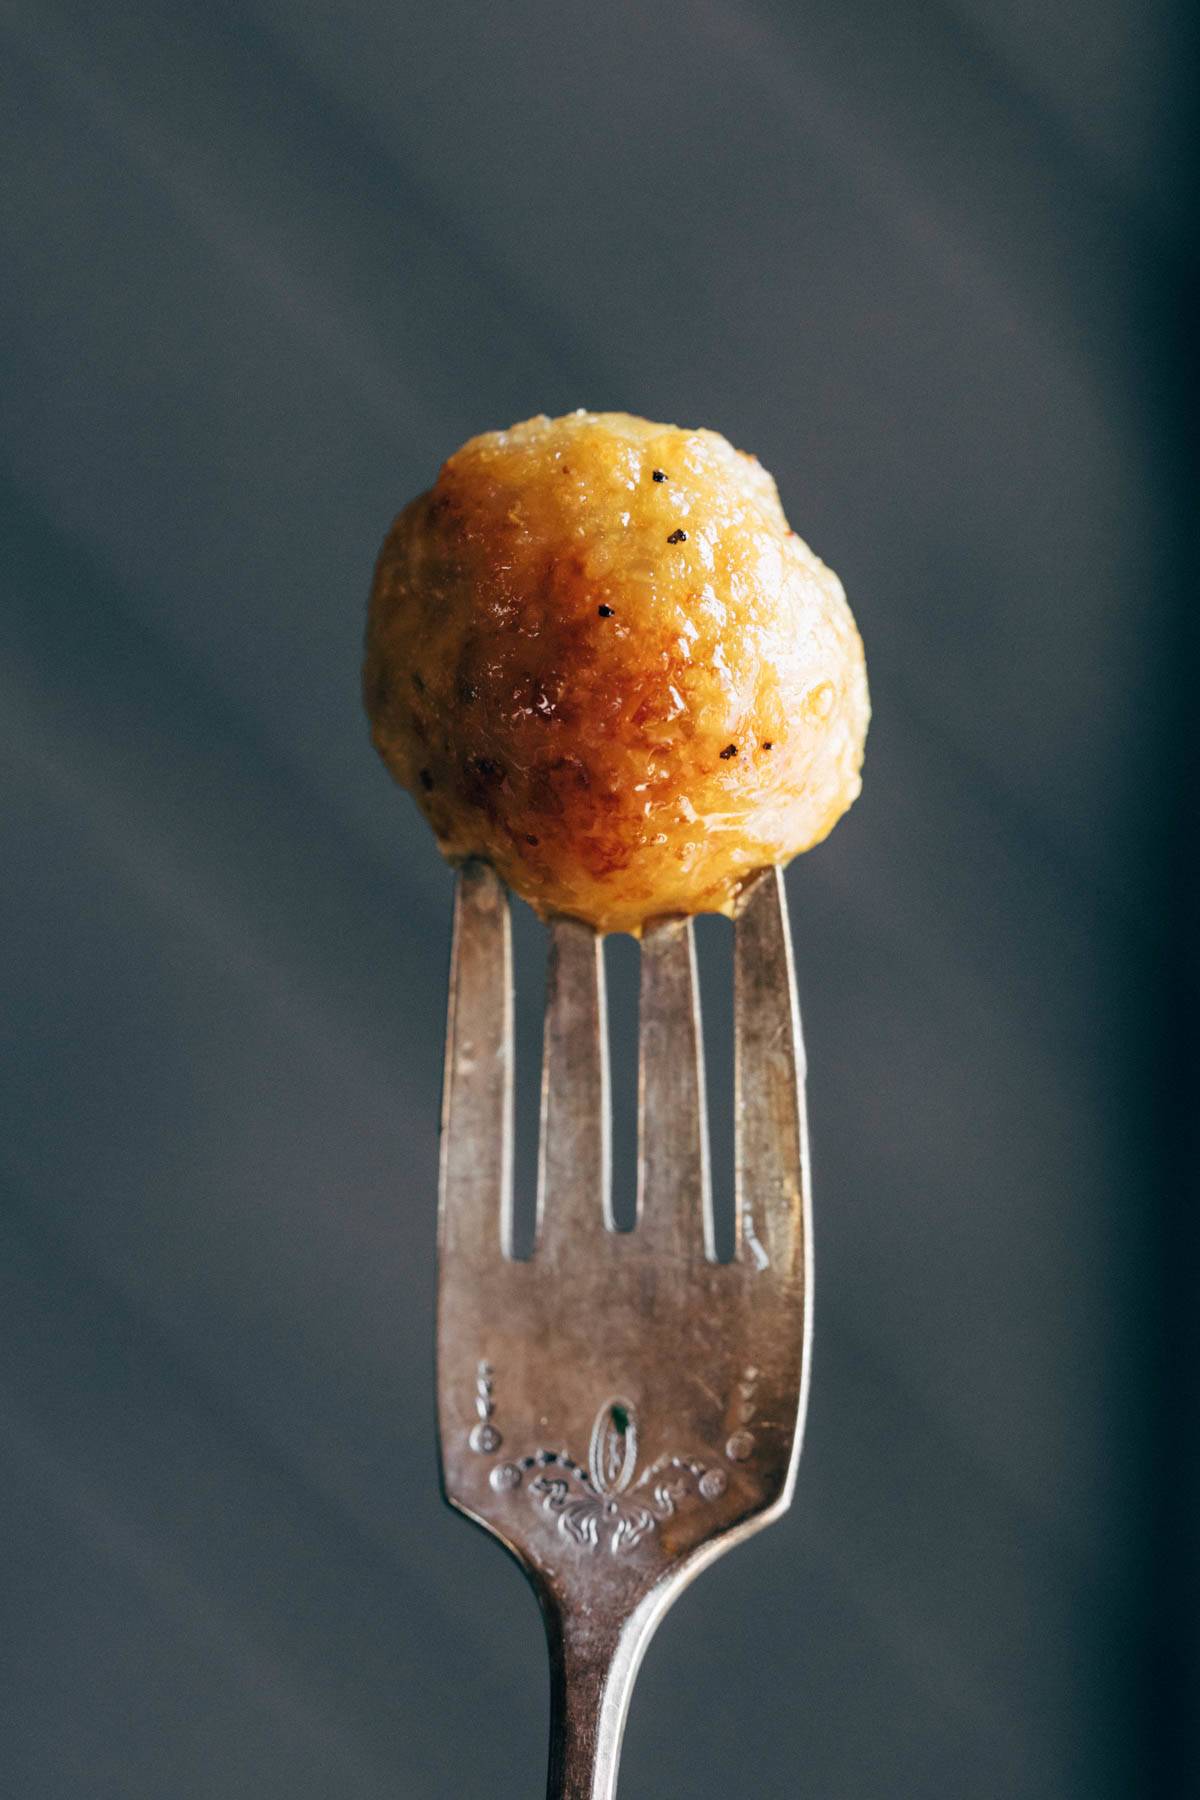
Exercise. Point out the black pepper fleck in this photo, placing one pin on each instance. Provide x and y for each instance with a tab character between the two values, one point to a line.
606	612
659	475
678	536
417	682
467	692
530	839
426	780
767	744
728	751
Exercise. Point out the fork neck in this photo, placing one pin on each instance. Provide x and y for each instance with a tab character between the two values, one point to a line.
593	1662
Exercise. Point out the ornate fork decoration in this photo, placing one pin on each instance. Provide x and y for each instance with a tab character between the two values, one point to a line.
620	1408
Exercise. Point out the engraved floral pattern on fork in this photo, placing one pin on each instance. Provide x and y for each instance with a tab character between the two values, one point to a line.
607	1504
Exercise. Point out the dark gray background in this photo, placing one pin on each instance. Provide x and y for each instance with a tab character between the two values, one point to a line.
265	266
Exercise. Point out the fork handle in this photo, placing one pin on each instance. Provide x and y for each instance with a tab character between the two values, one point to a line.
593	1663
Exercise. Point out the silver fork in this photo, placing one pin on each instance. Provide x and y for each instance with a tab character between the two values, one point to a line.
619	1409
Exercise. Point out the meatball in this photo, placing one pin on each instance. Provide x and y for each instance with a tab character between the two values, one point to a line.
599	659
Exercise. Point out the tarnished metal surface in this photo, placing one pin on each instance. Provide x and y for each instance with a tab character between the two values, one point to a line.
620	1408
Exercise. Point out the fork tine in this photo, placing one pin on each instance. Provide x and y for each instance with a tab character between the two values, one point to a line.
475	1212
674	1209
573	1171
771	1157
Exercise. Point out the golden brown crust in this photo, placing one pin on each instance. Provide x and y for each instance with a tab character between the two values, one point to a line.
599	658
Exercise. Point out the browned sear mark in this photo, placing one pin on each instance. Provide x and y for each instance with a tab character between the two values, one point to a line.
486	769
483	777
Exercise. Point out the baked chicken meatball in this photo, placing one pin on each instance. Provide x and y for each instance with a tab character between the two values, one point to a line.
599	659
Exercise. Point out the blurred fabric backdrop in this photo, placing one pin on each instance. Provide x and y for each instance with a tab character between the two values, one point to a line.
264	267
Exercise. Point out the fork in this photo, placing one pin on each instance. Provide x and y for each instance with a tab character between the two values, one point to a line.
619	1408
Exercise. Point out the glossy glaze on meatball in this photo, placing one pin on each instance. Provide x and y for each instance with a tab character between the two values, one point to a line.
599	658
